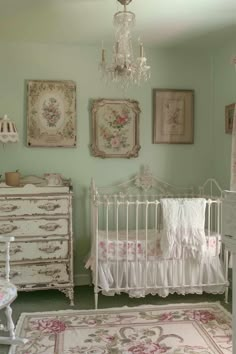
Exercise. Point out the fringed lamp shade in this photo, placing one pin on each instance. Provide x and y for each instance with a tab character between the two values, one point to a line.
8	132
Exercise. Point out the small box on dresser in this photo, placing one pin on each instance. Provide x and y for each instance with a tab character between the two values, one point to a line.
40	219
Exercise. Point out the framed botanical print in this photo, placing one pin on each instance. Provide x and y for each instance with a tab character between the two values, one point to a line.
115	128
173	116
51	113
229	118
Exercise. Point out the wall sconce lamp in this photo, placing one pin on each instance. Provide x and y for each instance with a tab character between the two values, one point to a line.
8	131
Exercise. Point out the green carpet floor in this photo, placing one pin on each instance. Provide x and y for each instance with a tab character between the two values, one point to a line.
52	300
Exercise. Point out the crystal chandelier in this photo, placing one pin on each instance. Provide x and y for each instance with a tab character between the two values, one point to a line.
125	69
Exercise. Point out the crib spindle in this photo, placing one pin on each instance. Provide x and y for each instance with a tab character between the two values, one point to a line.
217	209
183	259
146	242
136	231
209	219
107	229
226	262
127	244
96	221
155	215
117	244
218	227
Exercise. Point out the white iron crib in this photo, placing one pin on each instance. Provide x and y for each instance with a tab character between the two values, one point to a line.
126	221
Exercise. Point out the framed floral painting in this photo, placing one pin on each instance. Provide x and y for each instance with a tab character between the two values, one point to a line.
173	116
51	113
115	128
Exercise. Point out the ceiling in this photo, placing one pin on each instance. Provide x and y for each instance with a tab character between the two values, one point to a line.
161	23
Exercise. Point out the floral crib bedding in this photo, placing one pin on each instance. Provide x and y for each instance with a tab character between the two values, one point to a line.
133	247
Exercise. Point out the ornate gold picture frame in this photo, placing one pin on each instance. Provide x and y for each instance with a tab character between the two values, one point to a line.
51	113
173	116
115	128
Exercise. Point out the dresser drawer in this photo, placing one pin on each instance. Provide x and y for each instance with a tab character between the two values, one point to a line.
20	251
38	274
34	227
18	207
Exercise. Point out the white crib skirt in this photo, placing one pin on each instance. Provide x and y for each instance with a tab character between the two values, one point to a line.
162	277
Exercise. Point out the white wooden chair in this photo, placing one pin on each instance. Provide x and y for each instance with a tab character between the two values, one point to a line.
8	293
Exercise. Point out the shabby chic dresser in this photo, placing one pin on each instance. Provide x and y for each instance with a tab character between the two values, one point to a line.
40	219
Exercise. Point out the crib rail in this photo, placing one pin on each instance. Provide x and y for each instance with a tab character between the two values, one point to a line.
211	189
142	185
128	214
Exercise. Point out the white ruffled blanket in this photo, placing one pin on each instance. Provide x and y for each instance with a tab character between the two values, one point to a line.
183	226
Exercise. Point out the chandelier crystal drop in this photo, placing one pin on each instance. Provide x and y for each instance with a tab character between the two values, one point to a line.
125	69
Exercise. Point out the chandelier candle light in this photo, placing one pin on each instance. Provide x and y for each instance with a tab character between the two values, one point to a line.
124	68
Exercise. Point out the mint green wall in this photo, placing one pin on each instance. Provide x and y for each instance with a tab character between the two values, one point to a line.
181	164
224	94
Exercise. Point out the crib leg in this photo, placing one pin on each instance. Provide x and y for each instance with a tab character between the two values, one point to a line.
96	300
90	279
227	295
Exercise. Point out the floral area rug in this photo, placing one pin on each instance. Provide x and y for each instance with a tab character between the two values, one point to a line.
199	328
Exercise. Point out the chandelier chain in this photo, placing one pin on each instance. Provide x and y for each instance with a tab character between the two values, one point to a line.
124	2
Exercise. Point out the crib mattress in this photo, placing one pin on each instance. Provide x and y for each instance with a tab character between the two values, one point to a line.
111	247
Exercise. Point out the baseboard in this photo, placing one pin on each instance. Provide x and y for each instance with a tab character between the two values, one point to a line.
82	279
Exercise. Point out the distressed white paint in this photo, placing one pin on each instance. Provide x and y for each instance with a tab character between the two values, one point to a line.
31	206
48	249
32	189
42	254
36	274
34	226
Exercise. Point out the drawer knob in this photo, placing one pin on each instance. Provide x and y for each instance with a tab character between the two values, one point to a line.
12	274
49	249
50	227
13	250
7	208
49	206
49	272
7	229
